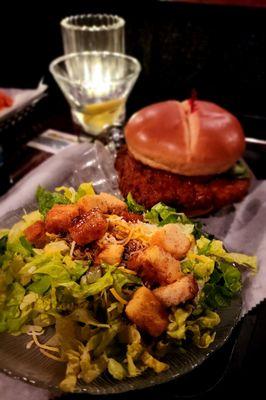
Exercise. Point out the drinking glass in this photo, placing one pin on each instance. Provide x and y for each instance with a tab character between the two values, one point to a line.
93	32
96	85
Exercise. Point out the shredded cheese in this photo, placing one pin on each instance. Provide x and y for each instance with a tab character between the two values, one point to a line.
128	238
73	244
29	344
140	230
38	330
43	346
44	349
117	296
52	356
32	269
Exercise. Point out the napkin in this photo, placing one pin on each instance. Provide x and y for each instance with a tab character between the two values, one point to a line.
21	98
240	227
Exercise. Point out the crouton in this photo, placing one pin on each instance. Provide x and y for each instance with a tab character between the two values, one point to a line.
145	310
178	292
114	204
112	254
171	238
60	217
89	202
88	227
105	202
155	266
36	234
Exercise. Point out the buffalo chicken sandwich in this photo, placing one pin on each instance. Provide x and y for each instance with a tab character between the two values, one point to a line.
185	154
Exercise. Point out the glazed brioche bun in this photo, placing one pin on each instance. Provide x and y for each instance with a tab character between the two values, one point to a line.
188	139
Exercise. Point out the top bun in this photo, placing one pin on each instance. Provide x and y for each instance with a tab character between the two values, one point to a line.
188	139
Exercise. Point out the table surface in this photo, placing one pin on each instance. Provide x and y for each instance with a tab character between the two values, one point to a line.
235	369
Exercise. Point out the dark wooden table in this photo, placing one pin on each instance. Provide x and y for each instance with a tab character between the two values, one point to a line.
235	370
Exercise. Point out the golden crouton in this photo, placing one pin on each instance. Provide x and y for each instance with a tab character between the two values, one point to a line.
36	235
178	292
112	254
105	202
59	218
147	312
88	227
114	204
171	238
155	266
89	202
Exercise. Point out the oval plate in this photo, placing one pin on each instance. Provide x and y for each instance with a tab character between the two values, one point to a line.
32	367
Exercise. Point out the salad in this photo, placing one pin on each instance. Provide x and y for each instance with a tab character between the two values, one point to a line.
121	285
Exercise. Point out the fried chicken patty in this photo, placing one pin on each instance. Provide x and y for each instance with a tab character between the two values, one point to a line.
192	195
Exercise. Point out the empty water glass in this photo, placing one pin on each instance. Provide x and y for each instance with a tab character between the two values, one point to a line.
88	32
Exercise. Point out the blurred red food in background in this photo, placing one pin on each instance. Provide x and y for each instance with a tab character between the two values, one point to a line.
5	100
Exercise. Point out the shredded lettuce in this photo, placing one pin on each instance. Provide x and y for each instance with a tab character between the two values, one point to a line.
3	232
68	192
84	316
11	316
107	337
177	326
75	268
47	199
134	351
72	195
116	369
215	248
56	247
112	277
160	215
40	285
225	280
102	283
114	311
26	244
133	206
31	217
122	279
73	367
203	340
210	320
84	189
43	320
216	293
239	170
200	329
62	195
17	229
51	266
153	363
90	370
201	266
